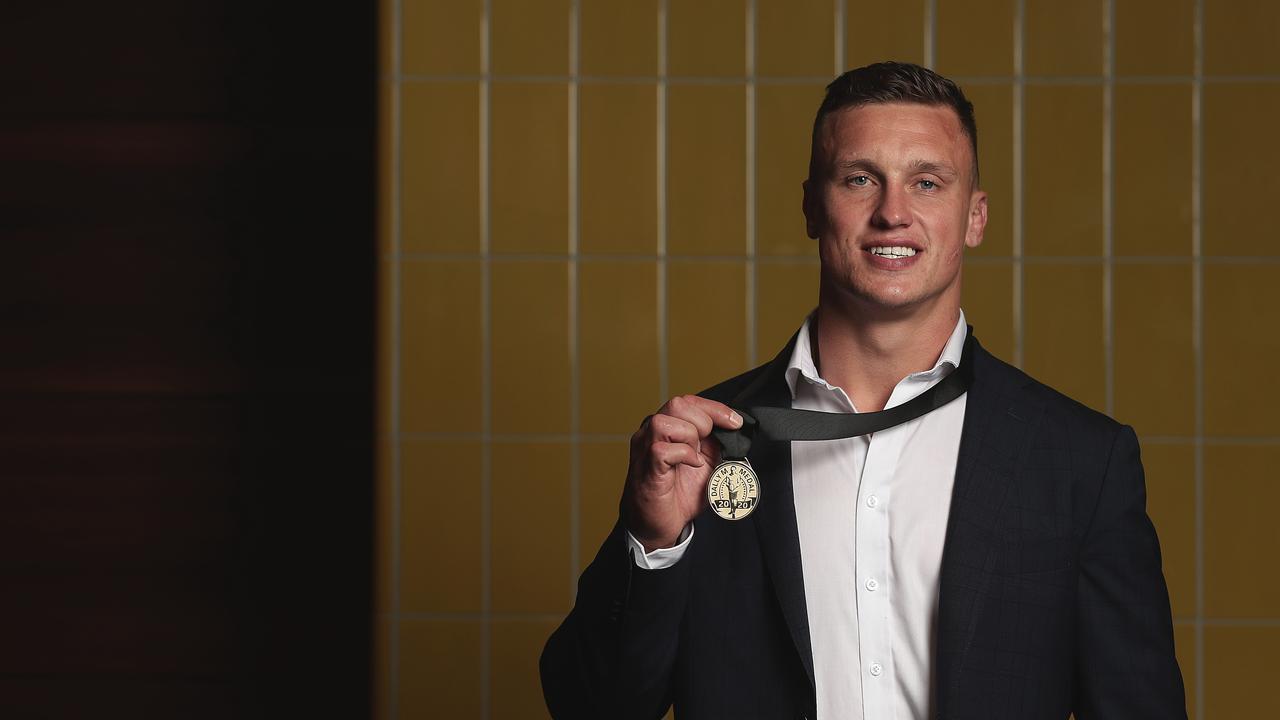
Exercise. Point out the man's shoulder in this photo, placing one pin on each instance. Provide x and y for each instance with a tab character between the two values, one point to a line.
1059	408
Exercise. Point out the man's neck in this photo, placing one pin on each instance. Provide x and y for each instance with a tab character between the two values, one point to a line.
867	356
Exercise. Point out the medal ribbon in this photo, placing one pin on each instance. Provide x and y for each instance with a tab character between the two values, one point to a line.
776	423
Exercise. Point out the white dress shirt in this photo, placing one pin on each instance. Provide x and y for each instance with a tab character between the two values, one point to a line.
872	514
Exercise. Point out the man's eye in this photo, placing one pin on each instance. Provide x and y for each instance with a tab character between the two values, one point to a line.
859	180
927	185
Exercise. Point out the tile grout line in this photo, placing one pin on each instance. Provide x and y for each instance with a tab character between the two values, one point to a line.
486	368
393	641
1254	622
1018	269
842	17
476	617
930	33
1108	206
661	112
811	79
750	191
1188	260
1197	336
575	227
521	438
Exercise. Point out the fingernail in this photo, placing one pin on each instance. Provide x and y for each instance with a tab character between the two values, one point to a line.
735	419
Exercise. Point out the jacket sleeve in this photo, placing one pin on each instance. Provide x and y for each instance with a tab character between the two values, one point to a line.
613	655
1125	664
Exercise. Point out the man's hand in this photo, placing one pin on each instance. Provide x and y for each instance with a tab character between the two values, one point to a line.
672	456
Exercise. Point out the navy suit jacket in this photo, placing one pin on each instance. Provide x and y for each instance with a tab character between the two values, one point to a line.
1052	599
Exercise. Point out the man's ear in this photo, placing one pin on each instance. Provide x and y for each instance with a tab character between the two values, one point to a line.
810	205
977	219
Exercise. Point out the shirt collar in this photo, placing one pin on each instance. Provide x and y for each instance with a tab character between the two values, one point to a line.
802	364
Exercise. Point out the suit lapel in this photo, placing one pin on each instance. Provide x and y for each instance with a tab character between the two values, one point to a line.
993	445
775	518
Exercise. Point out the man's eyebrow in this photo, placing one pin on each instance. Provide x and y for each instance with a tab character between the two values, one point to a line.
932	167
928	166
858	164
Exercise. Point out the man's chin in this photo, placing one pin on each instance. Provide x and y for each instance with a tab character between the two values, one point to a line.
888	297
891	303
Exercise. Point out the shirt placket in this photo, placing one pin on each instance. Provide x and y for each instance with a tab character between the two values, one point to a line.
875	631
875	575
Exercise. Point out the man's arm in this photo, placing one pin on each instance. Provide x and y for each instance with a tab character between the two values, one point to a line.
613	655
1125	665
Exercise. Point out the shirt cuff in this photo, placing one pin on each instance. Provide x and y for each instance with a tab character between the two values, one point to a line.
662	557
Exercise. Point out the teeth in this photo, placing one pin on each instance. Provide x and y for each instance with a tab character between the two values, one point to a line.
893	252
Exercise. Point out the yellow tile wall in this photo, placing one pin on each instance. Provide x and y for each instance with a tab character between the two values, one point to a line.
785	294
1064	341
707	316
436	474
439	165
1239	37
1063	38
784	124
586	206
707	39
603	467
1153	199
618	328
1154	348
619	38
1237	158
790	40
443	658
1239	670
987	297
993	111
1062	171
445	37
706	169
975	37
1155	37
529	167
884	31
530	517
618	168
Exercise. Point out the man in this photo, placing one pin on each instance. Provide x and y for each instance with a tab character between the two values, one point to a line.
988	557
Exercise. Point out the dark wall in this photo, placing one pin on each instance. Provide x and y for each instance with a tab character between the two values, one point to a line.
186	371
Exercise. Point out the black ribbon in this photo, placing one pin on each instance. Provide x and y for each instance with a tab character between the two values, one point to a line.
776	423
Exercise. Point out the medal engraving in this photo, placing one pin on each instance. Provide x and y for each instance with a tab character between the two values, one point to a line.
733	490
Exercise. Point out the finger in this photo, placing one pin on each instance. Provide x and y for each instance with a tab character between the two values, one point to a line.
673	429
702	413
665	456
723	415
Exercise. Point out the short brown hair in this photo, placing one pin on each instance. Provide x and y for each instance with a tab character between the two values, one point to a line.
890	82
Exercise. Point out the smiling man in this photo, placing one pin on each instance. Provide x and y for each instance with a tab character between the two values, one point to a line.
885	521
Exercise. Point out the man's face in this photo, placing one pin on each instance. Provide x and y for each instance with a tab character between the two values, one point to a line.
893	203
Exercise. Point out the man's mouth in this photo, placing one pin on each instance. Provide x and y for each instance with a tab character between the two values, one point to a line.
892	252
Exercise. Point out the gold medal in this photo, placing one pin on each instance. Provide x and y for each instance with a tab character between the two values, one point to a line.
734	489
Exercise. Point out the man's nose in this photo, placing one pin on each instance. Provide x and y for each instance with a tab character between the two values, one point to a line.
892	210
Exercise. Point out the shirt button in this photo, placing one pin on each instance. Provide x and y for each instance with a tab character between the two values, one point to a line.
872	501
876	669
872	584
